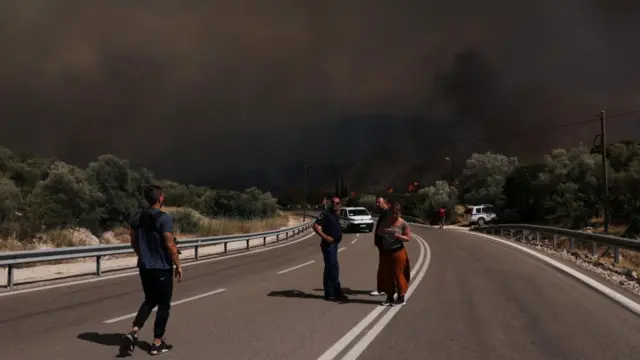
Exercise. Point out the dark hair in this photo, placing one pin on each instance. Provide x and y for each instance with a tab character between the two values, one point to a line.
152	194
394	206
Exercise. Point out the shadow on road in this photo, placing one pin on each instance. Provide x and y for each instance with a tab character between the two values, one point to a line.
303	295
349	292
113	340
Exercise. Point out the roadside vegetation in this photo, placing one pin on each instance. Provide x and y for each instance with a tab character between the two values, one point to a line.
45	202
564	189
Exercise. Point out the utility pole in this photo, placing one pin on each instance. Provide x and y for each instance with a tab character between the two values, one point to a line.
453	163
603	148
304	205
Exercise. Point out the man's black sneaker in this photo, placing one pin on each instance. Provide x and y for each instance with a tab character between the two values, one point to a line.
129	343
342	298
399	301
163	347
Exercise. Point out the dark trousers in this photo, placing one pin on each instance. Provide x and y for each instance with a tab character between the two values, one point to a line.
158	290
331	277
379	275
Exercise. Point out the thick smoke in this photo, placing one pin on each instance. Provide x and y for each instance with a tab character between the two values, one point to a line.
196	90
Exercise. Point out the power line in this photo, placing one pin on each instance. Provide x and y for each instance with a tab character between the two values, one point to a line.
624	114
547	128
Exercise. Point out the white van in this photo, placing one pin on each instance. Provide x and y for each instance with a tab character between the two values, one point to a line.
356	219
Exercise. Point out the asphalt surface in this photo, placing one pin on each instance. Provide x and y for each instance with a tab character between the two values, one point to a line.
477	299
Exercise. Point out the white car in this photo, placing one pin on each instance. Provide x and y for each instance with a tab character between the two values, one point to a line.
356	219
480	214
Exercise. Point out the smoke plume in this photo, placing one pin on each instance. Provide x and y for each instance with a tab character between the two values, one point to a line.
200	90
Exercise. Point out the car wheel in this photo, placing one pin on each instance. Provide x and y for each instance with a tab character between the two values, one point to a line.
481	221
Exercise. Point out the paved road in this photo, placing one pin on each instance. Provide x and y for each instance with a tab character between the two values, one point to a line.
476	299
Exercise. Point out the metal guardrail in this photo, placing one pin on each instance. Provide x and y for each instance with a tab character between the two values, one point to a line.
10	259
594	239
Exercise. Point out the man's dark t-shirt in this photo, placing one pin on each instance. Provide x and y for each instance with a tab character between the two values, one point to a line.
153	251
377	239
330	224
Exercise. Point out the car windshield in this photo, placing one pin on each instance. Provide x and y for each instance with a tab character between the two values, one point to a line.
357	212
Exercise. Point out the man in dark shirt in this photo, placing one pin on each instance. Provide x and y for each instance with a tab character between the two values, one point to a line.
327	226
152	240
381	207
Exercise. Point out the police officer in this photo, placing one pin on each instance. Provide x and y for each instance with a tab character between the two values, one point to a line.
327	226
381	207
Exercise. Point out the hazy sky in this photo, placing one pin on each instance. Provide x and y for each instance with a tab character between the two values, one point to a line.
194	89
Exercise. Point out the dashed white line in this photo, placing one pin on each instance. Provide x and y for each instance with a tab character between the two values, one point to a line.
195	262
295	267
343	248
128	316
354	241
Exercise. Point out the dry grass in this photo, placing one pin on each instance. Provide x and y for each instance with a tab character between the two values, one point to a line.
190	222
12	244
187	223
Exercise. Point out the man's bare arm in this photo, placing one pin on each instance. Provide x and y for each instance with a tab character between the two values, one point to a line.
318	231
171	246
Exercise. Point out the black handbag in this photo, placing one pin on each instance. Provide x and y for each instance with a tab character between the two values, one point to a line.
390	243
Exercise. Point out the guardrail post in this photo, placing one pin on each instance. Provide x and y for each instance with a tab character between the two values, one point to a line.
99	265
196	251
522	237
277	237
537	236
594	249
248	245
511	237
555	241
226	250
501	232
572	243
10	276
616	255
264	241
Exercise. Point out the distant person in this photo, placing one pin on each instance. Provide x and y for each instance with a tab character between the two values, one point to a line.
327	226
394	262
381	207
152	240
441	216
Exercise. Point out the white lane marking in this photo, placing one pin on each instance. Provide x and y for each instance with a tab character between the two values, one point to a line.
342	248
197	262
128	316
614	295
357	235
295	267
365	341
354	241
342	344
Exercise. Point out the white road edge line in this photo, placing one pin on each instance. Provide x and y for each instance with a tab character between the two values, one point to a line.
358	348
128	316
342	344
196	262
295	267
342	248
354	241
614	295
